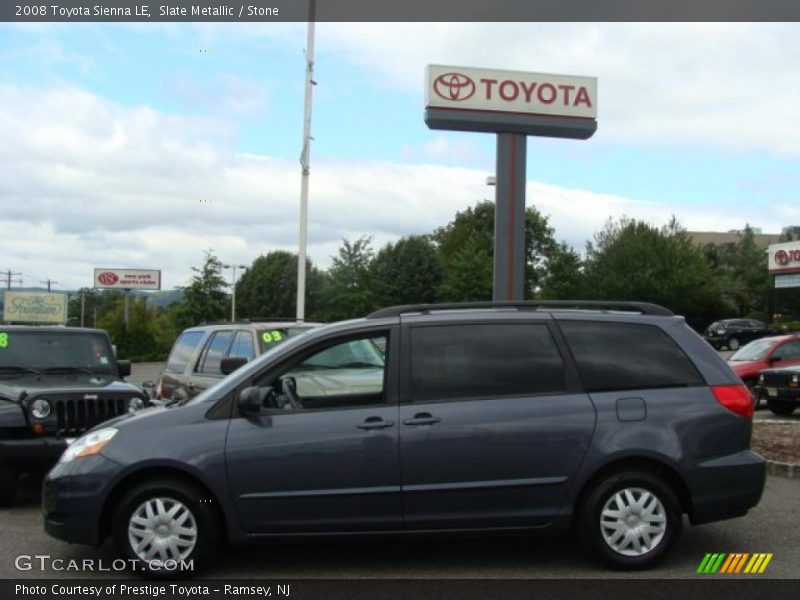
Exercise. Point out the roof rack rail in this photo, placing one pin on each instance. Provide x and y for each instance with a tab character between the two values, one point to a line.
644	308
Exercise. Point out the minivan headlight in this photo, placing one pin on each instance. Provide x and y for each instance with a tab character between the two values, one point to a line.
88	445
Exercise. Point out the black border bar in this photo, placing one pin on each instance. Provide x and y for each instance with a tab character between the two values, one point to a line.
399	10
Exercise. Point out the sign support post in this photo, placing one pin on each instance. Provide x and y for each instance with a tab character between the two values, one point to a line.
512	105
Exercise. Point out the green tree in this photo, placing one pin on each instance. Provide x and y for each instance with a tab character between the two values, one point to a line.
269	287
564	279
632	260
204	299
741	271
144	339
347	292
406	272
466	249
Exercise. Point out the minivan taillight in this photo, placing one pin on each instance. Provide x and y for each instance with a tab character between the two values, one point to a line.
736	398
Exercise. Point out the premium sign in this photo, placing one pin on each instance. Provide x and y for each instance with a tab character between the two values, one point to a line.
784	258
491	90
35	307
128	279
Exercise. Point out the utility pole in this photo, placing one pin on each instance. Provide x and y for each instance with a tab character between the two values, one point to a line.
233	288
305	165
48	282
11	277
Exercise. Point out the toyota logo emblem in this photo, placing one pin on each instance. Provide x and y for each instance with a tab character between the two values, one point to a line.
782	257
454	86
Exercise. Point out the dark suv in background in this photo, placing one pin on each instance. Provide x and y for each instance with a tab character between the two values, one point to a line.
56	383
613	419
733	333
199	354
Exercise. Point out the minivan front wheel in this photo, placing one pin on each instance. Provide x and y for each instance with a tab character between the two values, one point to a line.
630	519
733	344
166	528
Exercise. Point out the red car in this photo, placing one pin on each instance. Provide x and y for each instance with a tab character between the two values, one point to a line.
765	353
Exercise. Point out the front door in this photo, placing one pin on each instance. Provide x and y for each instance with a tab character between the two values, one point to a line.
493	425
322	456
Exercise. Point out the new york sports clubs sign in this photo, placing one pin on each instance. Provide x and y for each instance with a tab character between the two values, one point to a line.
491	90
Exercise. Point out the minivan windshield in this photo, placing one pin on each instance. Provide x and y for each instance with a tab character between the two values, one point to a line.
756	350
55	352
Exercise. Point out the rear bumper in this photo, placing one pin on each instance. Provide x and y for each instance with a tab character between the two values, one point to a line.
38	454
726	487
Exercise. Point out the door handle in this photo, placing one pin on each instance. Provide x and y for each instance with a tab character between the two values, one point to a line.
422	419
375	423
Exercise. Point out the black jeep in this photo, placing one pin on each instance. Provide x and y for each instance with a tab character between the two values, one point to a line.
55	383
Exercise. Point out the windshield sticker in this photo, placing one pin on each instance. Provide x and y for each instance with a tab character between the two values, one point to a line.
103	360
3	340
272	336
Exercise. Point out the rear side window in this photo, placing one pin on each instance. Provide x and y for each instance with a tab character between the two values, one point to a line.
183	350
483	361
214	351
626	356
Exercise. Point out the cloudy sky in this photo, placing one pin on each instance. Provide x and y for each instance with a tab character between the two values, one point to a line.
140	146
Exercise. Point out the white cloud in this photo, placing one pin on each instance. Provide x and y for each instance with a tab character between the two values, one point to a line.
87	182
732	85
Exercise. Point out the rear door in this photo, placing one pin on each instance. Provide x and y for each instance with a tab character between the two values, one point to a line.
207	370
493	424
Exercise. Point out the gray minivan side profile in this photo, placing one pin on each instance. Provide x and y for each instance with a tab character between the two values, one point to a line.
613	419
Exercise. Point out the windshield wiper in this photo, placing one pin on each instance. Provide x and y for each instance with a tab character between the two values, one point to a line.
18	369
67	370
360	365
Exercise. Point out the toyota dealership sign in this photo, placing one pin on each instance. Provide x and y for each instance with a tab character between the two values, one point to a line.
492	90
784	258
127	279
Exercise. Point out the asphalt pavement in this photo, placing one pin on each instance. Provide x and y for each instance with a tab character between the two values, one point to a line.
773	526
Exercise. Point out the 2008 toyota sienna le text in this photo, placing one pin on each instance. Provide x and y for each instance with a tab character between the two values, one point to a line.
612	419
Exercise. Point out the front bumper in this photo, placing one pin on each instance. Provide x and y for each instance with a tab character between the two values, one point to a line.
784	394
73	496
32	454
726	487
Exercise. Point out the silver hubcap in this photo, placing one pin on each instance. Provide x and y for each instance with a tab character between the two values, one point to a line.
633	522
162	529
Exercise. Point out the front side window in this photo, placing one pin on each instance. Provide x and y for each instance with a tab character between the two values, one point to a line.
343	375
212	355
788	351
626	356
242	346
483	361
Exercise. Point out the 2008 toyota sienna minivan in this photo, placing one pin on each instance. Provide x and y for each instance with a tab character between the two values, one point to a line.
612	419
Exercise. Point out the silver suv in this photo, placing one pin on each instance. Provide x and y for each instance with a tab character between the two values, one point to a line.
203	355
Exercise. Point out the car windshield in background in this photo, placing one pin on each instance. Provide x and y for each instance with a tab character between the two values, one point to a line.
752	351
55	352
269	338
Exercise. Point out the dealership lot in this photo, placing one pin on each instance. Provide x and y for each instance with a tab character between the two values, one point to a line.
773	526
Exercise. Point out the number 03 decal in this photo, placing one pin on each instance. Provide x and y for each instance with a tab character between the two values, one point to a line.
3	340
272	336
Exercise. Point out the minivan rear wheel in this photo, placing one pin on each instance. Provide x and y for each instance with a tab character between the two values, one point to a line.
167	528
629	520
733	344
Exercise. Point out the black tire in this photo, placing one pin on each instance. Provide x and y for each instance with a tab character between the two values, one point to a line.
733	344
8	485
782	409
203	515
589	518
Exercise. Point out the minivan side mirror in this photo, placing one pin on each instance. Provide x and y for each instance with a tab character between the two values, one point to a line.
251	399
124	367
230	363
